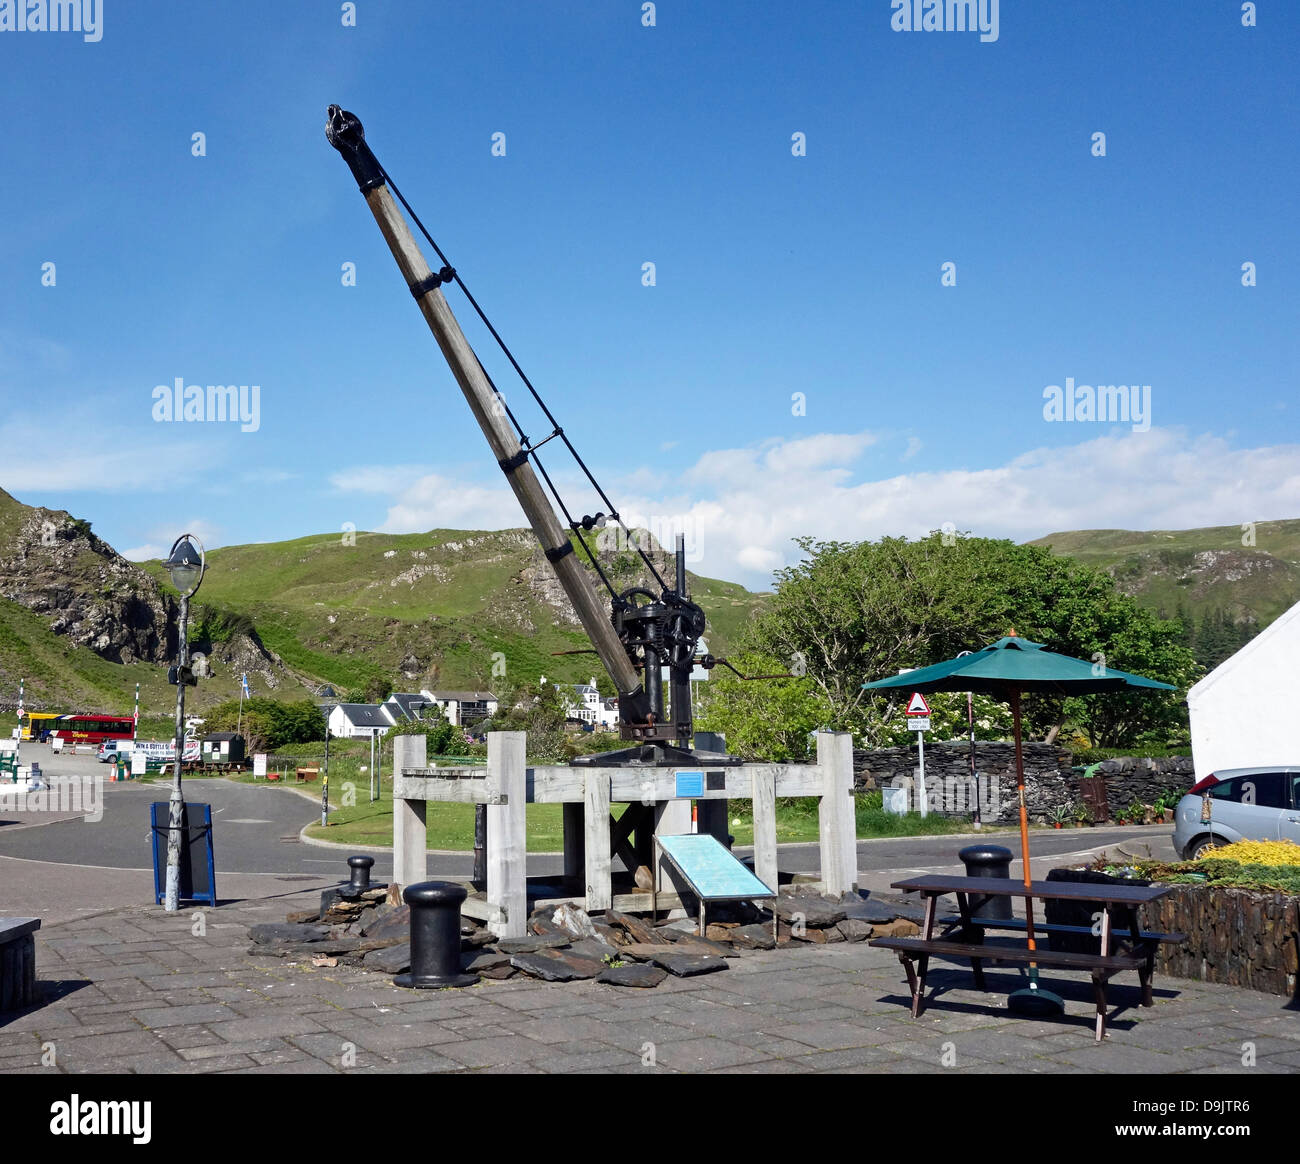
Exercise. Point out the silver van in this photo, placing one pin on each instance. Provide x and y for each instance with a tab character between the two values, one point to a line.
1239	804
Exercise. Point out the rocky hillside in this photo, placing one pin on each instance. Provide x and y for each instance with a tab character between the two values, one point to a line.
1247	574
52	564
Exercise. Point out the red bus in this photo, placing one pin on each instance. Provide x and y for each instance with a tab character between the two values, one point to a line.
92	729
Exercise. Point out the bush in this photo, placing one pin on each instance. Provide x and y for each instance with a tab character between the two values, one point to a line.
442	737
268	724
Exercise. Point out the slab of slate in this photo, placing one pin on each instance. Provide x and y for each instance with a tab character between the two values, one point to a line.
592	948
643	951
637	928
854	930
531	945
634	974
271	932
556	965
903	909
487	960
389	922
694	944
754	937
687	965
392	960
875	912
818	912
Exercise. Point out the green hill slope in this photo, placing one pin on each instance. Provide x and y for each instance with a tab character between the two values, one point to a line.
1250	575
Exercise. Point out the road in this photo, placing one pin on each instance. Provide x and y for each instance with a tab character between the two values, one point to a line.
51	855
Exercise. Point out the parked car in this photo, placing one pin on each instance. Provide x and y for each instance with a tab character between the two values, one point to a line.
109	750
1245	804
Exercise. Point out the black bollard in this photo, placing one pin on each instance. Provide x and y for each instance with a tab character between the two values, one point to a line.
359	881
988	861
435	936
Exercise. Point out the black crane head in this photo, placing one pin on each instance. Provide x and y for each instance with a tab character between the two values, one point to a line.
344	131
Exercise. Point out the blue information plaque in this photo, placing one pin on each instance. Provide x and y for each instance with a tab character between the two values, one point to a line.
689	784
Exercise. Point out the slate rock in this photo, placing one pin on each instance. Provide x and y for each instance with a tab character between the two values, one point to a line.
325	946
298	916
672	930
498	973
395	922
485	960
542	925
573	919
612	935
688	965
556	965
477	940
808	934
903	909
635	974
530	945
392	960
717	932
267	933
642	951
854	930
592	948
753	937
638	929
869	911
694	944
817	912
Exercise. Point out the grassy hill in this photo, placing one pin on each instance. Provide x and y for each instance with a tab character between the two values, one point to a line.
447	607
1200	571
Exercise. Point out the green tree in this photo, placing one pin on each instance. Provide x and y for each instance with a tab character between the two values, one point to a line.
857	611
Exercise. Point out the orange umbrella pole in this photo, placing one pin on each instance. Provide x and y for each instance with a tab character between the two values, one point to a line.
1024	830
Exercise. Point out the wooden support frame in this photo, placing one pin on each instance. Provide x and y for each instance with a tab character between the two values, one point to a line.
592	837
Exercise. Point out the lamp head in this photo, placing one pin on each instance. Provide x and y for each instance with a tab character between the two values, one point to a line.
186	564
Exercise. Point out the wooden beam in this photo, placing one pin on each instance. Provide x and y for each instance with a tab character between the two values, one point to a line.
763	792
837	813
488	411
410	834
596	813
507	851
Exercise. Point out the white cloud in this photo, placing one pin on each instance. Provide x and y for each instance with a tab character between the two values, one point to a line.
436	502
914	445
111	460
377	478
741	508
1161	479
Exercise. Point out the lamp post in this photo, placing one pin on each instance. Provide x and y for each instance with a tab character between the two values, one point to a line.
186	566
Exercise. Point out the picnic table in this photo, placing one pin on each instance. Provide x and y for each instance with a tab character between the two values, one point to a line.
1123	944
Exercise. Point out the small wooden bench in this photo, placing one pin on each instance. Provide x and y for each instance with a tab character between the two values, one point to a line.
18	962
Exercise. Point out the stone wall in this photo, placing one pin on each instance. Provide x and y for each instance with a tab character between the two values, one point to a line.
1049	778
1236	936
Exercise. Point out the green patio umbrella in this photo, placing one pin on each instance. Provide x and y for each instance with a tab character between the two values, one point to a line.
1003	670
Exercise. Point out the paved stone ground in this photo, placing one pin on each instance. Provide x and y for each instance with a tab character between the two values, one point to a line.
134	990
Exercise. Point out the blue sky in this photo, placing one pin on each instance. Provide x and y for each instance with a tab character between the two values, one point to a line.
774	274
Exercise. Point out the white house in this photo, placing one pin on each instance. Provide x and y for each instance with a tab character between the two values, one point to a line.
463	708
349	720
1243	712
587	704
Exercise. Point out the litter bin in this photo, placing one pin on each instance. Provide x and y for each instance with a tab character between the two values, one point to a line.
989	861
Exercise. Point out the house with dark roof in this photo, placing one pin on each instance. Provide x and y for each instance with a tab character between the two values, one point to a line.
464	708
408	705
350	720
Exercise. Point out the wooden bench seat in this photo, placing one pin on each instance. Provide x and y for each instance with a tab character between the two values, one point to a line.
1018	923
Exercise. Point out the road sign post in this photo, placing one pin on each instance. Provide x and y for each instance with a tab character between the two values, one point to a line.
918	720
